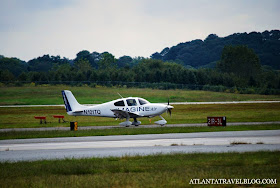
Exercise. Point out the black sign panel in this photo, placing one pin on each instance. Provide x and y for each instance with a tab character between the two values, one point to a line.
216	121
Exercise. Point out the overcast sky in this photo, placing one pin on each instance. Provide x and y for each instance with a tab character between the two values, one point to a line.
32	28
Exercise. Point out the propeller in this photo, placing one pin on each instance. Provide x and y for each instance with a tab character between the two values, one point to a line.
169	107
169	111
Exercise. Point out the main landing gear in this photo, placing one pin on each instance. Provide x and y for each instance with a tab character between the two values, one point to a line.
127	123
135	122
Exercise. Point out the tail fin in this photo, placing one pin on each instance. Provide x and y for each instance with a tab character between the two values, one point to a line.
70	102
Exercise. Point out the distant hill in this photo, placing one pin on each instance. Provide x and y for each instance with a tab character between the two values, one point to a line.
199	53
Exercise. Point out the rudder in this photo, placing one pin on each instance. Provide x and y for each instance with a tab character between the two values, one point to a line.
70	102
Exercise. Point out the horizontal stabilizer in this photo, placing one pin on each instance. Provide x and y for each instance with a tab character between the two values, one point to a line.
78	111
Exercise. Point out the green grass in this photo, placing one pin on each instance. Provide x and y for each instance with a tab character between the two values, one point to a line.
128	131
46	94
24	117
141	171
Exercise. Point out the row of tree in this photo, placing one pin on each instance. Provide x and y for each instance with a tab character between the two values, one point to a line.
48	63
205	53
238	67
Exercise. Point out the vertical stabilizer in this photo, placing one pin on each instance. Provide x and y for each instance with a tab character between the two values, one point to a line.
70	102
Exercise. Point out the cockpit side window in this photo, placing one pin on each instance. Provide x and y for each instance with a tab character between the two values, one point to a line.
131	102
142	102
119	103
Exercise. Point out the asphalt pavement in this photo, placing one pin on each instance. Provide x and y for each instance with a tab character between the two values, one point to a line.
129	145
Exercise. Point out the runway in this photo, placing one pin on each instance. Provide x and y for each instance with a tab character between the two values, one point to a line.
129	145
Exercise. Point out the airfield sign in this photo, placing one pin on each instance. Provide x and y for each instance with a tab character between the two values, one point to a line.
216	121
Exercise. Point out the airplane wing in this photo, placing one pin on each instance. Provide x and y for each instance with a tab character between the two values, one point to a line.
124	114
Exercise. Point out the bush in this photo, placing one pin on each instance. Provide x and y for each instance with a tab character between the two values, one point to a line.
92	85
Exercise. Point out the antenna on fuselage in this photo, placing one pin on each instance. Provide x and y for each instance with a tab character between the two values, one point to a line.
120	95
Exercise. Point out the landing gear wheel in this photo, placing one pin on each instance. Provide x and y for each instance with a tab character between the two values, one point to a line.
135	122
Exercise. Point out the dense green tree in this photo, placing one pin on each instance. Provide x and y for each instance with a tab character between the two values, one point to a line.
83	65
198	53
238	68
45	63
104	75
107	61
35	76
92	58
84	54
6	75
241	61
192	78
124	61
14	65
23	77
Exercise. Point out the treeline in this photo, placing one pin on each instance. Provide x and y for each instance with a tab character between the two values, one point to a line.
205	53
238	70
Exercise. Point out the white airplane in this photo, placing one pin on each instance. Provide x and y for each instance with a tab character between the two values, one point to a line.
131	107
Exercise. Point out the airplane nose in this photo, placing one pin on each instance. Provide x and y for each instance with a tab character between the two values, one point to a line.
169	108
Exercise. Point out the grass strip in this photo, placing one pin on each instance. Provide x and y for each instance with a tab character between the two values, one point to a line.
130	131
51	94
172	170
181	114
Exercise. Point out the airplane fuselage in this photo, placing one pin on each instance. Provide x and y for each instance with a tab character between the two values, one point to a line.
105	109
124	108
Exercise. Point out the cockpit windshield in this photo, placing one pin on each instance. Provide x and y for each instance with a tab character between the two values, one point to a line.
142	102
131	102
119	103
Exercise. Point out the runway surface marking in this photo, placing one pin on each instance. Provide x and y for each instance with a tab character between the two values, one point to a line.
103	146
